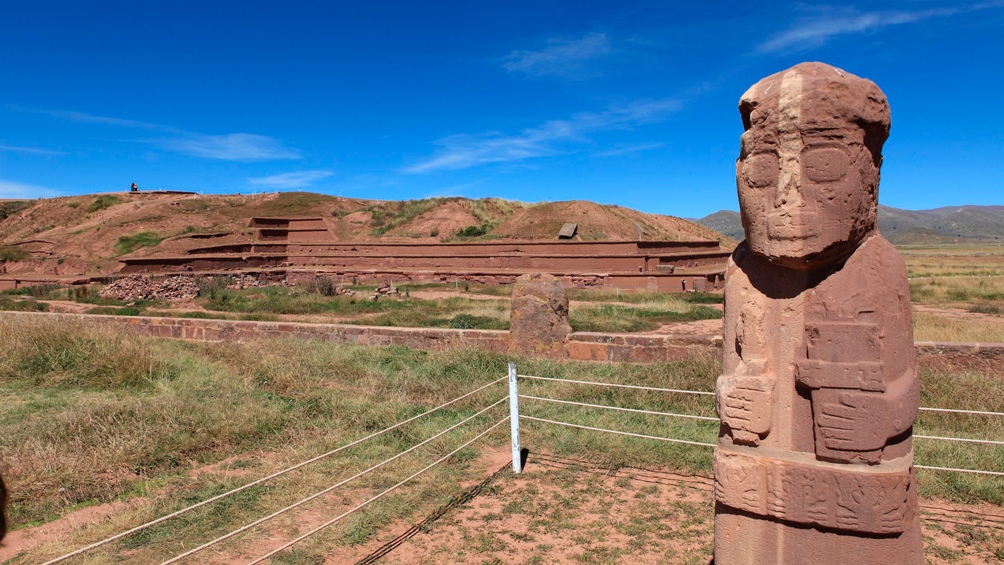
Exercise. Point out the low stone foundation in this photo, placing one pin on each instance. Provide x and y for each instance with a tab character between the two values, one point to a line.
582	346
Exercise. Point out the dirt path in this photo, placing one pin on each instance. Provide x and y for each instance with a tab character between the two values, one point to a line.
957	313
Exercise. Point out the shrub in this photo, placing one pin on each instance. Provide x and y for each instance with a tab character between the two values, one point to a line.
325	286
474	231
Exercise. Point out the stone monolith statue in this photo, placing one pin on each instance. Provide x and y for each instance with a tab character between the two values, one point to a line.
538	317
814	462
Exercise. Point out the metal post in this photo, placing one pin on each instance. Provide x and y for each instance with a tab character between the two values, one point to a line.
517	463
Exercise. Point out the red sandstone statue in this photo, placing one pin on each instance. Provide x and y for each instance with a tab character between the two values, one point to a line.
814	462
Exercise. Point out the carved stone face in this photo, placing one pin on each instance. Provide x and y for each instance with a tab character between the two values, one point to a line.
808	168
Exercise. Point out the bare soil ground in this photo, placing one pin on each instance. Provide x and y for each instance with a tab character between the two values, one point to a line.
560	510
568	511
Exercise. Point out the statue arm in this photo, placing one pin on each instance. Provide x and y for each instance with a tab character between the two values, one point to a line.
744	393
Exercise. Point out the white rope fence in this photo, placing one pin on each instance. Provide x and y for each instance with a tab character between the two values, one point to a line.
704	444
961	439
269	477
669	439
618	408
377	497
975	471
329	489
956	411
615	385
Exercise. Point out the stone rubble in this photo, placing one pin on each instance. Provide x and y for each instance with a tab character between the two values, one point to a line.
385	289
138	287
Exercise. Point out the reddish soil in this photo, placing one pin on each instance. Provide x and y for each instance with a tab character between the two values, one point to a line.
560	511
568	511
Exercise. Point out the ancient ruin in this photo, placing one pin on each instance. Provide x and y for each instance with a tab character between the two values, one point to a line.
814	462
307	246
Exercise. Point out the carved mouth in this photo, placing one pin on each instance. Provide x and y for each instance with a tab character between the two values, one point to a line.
787	228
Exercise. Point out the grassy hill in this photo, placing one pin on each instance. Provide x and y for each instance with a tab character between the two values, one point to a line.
950	224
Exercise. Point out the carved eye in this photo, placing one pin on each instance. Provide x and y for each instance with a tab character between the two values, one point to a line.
761	169
825	164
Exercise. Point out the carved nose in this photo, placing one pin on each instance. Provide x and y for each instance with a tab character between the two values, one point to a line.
789	194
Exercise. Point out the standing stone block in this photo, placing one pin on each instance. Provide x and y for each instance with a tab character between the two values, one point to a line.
814	462
538	320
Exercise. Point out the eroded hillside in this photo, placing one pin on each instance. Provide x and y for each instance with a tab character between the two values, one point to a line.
80	235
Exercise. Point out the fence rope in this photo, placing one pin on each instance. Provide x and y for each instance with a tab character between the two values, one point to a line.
672	440
618	385
327	490
955	411
264	479
633	410
976	471
962	439
373	499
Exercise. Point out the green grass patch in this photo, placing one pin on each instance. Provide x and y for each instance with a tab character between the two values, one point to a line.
24	305
389	215
11	207
129	243
113	311
103	201
644	297
994	308
963	387
617	318
13	253
385	312
35	290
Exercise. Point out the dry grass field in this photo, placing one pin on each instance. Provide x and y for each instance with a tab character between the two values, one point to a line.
957	291
104	431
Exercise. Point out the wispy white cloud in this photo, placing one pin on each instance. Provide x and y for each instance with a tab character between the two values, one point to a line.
85	118
828	22
30	150
464	151
295	179
10	189
228	147
628	149
561	57
455	190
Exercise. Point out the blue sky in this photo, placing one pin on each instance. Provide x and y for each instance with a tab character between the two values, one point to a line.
631	103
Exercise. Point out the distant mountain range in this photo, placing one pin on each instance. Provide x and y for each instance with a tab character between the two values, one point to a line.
950	224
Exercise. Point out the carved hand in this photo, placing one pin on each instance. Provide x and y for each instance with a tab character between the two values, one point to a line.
850	420
744	404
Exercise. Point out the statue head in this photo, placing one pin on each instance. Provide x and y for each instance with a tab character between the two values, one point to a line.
808	167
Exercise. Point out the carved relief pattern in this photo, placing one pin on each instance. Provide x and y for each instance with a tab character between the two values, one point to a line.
805	493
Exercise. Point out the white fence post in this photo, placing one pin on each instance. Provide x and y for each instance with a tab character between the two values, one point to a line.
517	463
